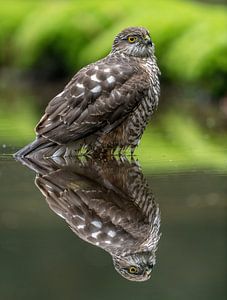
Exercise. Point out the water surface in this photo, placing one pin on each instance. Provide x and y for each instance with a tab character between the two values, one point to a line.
185	168
41	257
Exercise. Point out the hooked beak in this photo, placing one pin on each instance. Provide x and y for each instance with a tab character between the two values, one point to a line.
148	272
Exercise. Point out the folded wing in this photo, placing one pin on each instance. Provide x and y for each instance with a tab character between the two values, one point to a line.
99	97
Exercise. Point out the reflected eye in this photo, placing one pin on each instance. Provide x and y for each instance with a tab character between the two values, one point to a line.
132	39
133	270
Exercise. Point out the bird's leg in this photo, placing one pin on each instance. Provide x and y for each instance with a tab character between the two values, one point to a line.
119	152
113	150
132	150
123	158
122	150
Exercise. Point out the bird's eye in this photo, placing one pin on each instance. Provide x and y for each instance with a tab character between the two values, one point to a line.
133	270
132	39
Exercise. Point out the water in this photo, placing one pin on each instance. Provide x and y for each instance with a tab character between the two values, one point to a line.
180	168
42	258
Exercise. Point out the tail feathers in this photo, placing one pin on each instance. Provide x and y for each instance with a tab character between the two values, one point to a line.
36	145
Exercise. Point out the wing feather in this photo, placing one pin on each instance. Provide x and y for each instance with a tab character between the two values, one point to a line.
98	96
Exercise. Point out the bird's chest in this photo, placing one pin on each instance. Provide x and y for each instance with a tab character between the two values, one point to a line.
152	70
131	129
137	121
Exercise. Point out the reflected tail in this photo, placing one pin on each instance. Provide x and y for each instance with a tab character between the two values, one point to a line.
36	145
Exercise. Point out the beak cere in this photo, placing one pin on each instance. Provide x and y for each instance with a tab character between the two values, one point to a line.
147	40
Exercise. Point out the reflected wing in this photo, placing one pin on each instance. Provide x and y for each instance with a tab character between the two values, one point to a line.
107	203
99	97
95	214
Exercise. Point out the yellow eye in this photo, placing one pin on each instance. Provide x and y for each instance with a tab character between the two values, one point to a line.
133	270
132	39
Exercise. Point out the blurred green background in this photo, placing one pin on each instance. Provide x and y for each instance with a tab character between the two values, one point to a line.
182	152
43	43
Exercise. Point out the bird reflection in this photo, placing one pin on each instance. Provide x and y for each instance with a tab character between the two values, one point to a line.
106	203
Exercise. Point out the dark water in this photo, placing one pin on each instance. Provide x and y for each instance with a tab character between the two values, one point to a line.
183	171
42	258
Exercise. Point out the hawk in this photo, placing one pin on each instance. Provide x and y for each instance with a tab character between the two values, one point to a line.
106	203
107	104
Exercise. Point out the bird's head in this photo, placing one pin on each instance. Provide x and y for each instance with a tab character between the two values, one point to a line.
136	266
134	41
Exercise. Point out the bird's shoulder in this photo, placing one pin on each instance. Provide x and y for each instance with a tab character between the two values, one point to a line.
88	83
100	78
103	76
